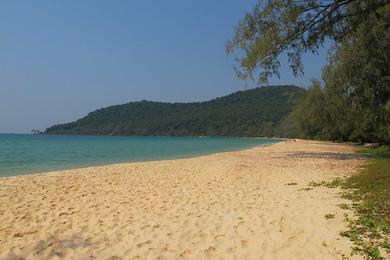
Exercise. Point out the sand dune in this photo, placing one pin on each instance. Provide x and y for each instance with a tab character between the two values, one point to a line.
233	205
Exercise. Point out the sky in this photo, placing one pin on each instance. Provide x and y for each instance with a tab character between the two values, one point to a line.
60	60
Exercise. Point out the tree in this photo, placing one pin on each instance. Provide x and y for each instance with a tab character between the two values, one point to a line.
357	80
310	114
354	102
293	26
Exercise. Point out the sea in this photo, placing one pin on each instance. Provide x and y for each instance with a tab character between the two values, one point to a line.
27	153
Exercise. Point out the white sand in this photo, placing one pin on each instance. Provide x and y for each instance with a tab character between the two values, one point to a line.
233	205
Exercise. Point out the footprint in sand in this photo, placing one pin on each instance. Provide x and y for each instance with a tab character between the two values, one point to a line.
211	251
144	243
185	253
244	243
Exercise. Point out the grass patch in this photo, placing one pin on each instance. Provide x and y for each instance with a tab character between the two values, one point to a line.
335	183
344	206
382	152
317	184
292	183
330	216
370	193
332	184
306	189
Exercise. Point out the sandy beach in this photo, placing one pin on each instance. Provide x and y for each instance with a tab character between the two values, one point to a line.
231	205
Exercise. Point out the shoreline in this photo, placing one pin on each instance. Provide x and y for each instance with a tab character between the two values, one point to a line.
244	204
151	160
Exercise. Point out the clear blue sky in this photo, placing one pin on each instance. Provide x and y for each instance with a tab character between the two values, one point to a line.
60	60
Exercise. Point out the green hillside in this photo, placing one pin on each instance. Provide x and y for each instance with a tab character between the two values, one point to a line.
254	112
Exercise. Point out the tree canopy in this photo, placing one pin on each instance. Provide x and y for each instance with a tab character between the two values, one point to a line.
353	104
274	27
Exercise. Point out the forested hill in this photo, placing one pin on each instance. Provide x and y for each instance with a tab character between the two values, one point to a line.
254	112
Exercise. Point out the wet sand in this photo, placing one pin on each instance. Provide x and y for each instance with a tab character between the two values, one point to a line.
231	205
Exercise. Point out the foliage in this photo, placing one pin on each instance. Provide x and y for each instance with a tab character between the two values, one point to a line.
291	183
357	81
382	152
255	112
354	104
333	184
277	26
310	114
330	216
370	192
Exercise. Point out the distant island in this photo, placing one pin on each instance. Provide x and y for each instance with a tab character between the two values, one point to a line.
253	112
36	132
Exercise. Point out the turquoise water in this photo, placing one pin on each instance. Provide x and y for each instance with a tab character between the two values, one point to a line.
23	153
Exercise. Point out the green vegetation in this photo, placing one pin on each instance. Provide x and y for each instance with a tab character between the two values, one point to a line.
306	189
330	216
333	184
254	112
277	27
382	152
292	184
317	184
344	206
369	192
353	101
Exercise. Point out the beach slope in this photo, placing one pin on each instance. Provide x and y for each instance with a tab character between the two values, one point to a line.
249	204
